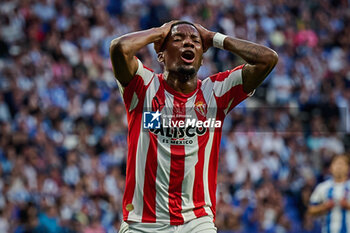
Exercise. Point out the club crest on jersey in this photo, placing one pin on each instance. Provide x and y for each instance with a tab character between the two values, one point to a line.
201	108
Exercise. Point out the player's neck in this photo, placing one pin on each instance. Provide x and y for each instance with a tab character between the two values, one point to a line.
181	83
340	179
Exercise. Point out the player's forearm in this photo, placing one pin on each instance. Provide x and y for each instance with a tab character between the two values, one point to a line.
131	43
124	48
317	210
252	53
261	60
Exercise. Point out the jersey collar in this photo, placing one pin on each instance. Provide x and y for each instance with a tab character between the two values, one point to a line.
176	93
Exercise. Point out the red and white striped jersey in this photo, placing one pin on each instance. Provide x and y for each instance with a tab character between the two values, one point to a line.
171	173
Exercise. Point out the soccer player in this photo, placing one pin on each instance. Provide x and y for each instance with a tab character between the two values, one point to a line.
331	198
172	165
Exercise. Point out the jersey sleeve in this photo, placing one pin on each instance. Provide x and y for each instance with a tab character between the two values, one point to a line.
136	89
318	195
228	88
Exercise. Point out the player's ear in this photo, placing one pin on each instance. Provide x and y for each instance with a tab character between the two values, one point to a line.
161	57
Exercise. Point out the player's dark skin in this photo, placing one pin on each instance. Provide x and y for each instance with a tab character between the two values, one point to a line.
180	48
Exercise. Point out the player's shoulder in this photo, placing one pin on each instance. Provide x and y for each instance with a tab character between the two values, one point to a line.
325	184
143	70
221	76
347	184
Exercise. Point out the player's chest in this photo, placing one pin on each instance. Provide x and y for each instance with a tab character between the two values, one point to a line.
337	193
196	106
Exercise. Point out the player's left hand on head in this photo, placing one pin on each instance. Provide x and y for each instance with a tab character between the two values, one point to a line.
164	29
206	36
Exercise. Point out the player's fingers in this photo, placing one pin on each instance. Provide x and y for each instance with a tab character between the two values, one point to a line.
168	24
200	28
174	21
203	32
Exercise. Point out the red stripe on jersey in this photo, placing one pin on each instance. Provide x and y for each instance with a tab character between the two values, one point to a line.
235	92
134	118
137	86
198	186
175	183
177	168
223	75
213	170
149	188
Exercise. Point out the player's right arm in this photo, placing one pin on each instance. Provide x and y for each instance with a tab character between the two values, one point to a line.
320	204
320	209
123	50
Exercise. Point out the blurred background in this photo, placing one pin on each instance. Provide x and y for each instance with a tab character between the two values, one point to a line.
63	123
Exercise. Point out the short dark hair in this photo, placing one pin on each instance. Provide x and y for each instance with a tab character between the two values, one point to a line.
182	22
173	25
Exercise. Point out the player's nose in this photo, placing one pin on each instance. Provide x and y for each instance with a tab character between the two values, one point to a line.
187	42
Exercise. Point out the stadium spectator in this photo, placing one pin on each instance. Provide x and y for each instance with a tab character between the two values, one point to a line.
331	197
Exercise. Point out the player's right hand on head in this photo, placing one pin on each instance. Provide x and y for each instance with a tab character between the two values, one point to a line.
206	35
164	29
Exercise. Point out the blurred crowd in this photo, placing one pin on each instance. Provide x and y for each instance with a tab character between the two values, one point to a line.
63	123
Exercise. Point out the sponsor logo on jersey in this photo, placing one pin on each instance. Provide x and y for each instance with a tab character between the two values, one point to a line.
187	128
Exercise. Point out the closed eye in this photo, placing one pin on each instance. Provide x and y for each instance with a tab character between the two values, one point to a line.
177	38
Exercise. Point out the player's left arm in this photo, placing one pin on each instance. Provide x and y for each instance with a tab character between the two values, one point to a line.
260	59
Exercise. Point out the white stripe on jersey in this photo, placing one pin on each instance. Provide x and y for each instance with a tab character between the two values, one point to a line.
134	102
163	171
162	184
207	87
220	88
336	218
145	74
191	160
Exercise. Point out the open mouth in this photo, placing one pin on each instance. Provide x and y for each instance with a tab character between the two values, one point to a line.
188	56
